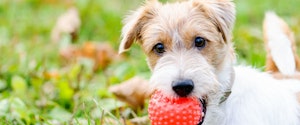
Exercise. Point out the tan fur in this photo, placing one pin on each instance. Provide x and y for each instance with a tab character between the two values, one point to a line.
151	24
297	63
134	24
176	26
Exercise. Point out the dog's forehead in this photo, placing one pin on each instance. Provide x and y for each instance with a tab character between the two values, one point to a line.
176	14
175	10
177	22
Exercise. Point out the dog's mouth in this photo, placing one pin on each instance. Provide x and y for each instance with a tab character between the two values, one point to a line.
203	112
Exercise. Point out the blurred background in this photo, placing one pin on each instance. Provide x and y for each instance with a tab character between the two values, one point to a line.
58	58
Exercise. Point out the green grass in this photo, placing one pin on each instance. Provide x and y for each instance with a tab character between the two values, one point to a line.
78	96
248	29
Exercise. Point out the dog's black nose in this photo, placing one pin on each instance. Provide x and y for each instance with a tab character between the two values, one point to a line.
183	87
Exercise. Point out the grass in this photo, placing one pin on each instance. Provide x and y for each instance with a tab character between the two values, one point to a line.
79	96
248	29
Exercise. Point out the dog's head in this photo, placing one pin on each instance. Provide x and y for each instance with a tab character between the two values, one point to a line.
188	45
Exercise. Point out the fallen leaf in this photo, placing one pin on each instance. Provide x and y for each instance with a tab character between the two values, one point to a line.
105	55
51	74
67	23
101	53
69	54
134	91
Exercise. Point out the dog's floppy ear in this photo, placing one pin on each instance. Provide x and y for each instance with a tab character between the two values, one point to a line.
134	23
221	12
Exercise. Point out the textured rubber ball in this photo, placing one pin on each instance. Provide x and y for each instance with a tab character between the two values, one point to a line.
165	110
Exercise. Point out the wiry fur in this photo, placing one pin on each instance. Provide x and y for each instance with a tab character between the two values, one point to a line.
211	68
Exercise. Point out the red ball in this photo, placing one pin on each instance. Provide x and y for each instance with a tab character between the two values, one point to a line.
164	110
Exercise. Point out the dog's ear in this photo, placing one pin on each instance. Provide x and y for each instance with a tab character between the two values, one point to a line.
134	23
221	12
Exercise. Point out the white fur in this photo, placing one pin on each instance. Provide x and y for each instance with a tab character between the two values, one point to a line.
280	45
259	99
256	98
184	64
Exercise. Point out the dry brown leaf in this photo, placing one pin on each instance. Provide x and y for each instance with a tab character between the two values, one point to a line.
68	23
133	91
101	53
69	54
51	74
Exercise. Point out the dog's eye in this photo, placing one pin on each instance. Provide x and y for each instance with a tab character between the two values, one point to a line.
159	48
200	42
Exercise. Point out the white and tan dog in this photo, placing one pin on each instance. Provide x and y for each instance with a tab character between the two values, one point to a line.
190	52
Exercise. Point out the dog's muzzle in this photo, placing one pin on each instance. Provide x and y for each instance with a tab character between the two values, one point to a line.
183	87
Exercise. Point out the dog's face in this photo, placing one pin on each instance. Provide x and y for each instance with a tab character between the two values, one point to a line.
188	45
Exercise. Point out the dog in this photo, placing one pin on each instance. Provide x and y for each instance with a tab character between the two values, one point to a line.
189	50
